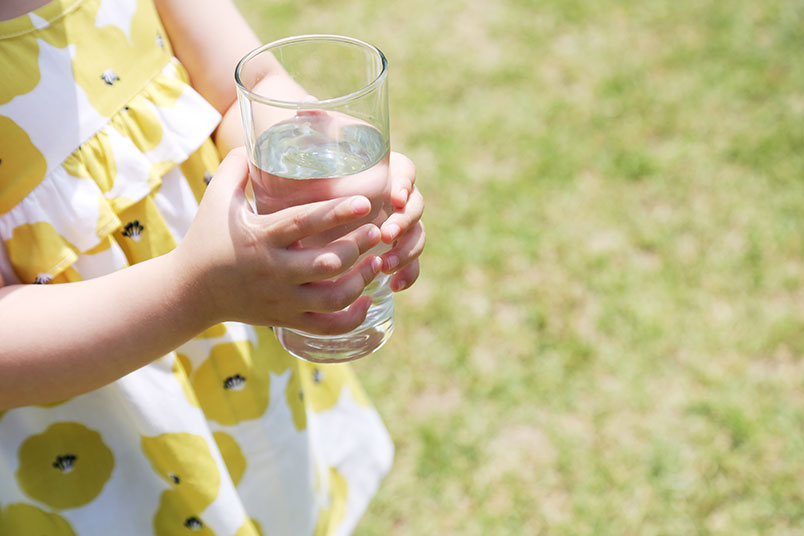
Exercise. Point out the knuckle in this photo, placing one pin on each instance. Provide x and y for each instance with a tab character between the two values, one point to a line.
342	211
252	236
297	222
360	248
327	263
336	299
368	275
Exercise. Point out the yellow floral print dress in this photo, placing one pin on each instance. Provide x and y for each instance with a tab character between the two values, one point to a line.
104	155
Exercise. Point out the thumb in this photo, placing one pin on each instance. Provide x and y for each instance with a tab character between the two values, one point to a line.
232	173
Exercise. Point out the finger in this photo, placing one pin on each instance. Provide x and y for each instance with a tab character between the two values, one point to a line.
287	226
405	277
335	258
232	172
403	176
338	322
399	222
335	295
406	249
317	112
309	99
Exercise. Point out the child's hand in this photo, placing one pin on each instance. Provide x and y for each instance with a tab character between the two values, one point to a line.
404	227
250	267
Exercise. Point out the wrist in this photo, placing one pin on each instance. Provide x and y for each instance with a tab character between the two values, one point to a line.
192	291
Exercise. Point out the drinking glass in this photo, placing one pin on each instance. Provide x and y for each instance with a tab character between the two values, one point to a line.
320	133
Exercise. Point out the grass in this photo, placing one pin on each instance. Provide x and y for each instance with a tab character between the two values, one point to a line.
608	333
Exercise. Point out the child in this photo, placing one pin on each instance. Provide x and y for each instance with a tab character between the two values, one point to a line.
137	397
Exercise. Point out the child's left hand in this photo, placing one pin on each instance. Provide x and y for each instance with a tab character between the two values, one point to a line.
404	228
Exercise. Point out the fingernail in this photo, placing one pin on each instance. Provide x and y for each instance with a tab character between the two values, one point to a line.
373	234
393	230
360	204
400	198
391	261
376	265
397	285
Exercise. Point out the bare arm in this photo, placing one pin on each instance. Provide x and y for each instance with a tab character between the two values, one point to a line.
57	341
62	340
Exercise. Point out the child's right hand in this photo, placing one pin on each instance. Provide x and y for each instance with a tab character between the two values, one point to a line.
250	267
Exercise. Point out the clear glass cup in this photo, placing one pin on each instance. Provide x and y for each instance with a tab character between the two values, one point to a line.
322	135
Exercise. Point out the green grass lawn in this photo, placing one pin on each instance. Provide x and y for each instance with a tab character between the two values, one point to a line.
608	333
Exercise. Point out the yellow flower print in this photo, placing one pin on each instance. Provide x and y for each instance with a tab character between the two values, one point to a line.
323	384
140	124
21	519
199	168
94	160
278	359
99	71
53	404
232	455
26	73
331	517
180	368
38	252
218	330
103	245
185	363
22	165
185	461
233	383
249	528
175	517
144	234
170	88
294	395
68	275
65	466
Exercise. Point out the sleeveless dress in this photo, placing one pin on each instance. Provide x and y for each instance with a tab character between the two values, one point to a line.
104	156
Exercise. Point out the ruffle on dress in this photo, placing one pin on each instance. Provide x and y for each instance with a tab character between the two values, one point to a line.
122	196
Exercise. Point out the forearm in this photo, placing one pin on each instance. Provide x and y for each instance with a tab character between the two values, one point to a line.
58	341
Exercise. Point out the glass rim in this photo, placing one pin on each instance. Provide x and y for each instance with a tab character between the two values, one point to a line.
304	105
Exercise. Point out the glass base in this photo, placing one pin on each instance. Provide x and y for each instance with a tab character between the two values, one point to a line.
367	338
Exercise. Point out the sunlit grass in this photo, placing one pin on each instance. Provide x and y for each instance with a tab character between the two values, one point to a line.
608	333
